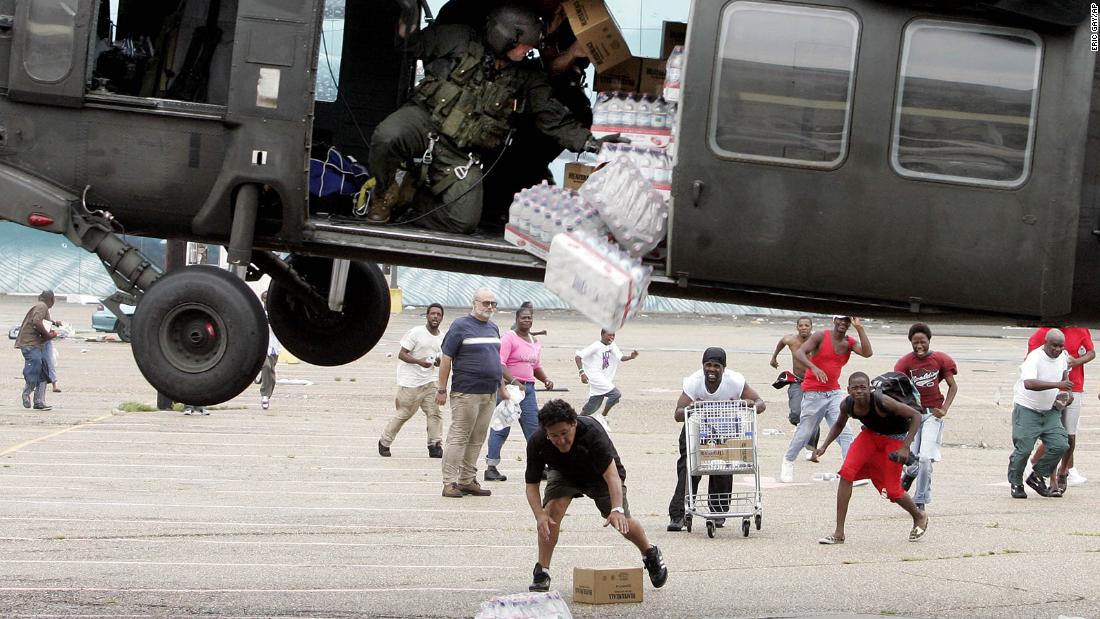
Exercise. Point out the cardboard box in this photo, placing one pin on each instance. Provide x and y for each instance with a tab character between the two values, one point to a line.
607	585
576	174
717	453
673	33
622	77
651	77
597	31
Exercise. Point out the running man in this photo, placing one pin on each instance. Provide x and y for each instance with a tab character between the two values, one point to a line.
877	453
1079	347
582	460
1039	396
824	354
597	365
927	369
803	328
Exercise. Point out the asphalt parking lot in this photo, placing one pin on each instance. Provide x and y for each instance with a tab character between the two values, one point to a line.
291	512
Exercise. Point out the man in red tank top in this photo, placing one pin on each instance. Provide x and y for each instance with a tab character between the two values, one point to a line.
824	354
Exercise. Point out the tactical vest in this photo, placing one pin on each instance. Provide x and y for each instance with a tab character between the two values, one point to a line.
473	111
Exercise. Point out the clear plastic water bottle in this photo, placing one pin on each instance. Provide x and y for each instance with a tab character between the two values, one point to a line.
600	110
659	117
644	113
615	110
630	112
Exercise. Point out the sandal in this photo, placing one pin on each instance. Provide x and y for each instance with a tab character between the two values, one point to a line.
1057	491
918	532
831	540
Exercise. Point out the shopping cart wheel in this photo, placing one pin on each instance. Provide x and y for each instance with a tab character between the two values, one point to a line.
759	519
745	527
710	528
687	523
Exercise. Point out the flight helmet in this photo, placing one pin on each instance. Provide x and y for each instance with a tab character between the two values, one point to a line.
510	25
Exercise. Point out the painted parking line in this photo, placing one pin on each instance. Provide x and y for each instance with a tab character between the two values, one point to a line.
271	525
144	540
496	493
258	507
162	454
357	566
79	426
198	480
226	590
280	461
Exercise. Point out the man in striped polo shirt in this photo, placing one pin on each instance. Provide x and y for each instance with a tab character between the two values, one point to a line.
471	360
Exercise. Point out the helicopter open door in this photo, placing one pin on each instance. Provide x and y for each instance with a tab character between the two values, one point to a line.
49	52
881	154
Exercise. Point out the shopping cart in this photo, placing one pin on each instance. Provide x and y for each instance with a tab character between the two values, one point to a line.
721	441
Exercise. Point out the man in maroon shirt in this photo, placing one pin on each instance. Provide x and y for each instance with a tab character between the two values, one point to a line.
927	369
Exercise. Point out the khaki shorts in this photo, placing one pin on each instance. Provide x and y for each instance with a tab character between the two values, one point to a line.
1071	416
557	486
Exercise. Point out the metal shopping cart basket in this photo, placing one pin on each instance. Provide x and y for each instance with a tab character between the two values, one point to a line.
721	442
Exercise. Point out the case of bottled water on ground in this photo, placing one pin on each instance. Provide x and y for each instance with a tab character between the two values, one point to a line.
597	278
525	606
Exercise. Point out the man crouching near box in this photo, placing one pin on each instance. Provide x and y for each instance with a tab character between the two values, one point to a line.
582	461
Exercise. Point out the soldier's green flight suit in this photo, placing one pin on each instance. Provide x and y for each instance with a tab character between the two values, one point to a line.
470	106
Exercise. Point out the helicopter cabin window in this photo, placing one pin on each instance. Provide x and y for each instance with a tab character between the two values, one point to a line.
179	50
966	103
331	52
51	40
783	86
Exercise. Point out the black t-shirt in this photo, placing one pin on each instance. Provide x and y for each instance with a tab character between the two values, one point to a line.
878	418
583	465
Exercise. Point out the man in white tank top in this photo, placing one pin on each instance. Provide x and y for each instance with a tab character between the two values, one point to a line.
711	383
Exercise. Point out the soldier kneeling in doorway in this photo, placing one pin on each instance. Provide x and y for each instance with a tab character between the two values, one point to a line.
475	89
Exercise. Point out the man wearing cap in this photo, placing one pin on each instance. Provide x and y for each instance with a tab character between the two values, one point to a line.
792	379
824	354
711	383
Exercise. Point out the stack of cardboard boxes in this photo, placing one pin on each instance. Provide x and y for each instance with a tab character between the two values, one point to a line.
624	80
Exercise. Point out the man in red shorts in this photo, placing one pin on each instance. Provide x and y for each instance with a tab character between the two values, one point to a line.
888	428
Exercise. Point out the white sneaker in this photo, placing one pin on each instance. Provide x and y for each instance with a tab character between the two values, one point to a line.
809	456
1075	478
265	402
786	473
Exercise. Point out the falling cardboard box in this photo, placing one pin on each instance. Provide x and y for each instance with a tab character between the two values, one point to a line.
576	174
607	585
597	32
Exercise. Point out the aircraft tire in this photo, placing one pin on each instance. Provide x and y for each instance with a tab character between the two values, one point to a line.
334	338
199	335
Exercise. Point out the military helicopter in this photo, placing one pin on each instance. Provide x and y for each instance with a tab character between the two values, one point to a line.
879	158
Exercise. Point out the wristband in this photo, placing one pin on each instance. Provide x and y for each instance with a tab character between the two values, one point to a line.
441	391
619	509
580	371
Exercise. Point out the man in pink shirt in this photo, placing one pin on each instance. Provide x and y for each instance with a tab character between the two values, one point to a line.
519	358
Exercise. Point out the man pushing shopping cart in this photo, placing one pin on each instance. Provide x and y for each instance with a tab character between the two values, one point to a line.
719	410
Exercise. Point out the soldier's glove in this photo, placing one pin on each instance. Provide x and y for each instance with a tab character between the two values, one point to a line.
594	144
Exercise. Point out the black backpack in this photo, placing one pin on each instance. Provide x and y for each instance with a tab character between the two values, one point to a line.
899	387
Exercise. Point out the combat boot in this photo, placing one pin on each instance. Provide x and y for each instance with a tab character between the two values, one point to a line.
382	202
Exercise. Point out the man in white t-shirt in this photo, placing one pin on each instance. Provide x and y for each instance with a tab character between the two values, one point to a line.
597	364
1043	390
710	384
420	352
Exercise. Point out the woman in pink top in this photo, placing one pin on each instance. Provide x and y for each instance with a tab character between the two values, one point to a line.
519	356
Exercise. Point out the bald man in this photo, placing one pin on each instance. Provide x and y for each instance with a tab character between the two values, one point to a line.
471	361
1043	390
